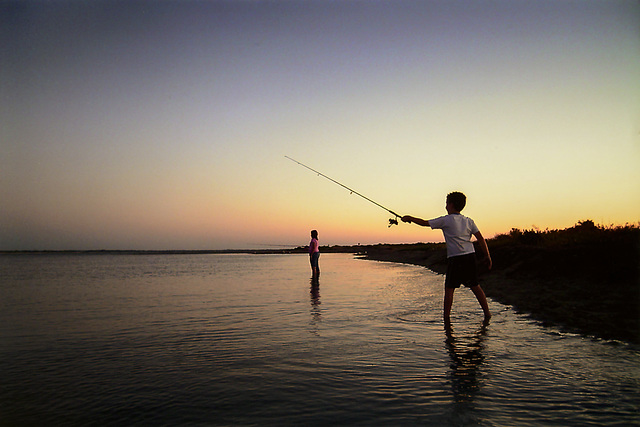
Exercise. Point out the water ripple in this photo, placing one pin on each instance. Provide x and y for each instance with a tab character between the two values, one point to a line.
243	340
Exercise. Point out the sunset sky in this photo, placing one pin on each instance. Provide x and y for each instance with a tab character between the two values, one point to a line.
164	124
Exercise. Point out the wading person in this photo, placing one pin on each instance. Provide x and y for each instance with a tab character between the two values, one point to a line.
461	261
314	254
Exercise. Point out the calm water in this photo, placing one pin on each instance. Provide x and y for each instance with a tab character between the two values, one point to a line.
244	339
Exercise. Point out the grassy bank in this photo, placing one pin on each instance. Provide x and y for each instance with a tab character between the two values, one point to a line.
582	279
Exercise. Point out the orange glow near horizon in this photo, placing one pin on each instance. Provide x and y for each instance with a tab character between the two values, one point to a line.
141	143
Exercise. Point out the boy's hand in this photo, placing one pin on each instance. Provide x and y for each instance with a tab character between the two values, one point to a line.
407	218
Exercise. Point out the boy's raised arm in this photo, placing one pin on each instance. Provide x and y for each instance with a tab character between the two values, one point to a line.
419	221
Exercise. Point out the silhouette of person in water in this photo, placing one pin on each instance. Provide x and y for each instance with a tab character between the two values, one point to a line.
461	262
314	254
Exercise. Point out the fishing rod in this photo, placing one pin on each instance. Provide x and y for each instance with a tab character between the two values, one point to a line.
392	221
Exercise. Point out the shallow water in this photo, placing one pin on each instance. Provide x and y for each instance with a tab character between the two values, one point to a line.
245	339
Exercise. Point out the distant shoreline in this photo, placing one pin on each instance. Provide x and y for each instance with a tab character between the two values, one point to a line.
354	249
150	252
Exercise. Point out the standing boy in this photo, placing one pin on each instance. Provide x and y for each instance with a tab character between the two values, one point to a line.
461	261
314	254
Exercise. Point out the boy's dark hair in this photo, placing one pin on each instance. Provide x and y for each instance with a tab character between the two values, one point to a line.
314	234
457	199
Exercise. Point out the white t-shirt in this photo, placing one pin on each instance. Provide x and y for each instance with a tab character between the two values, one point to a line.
457	230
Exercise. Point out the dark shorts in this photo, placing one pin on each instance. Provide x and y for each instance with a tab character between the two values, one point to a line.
314	259
461	270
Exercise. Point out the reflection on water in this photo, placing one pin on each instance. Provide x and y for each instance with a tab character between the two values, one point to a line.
465	351
316	312
245	340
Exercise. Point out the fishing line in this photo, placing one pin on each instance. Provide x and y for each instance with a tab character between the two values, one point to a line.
392	221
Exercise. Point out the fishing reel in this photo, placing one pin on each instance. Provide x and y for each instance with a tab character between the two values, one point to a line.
393	221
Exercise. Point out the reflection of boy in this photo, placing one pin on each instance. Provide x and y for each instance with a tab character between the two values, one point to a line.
461	268
314	253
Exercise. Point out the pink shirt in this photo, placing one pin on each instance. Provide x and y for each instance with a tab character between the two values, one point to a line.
313	246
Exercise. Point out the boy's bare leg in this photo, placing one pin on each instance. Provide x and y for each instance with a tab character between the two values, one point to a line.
482	299
448	302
